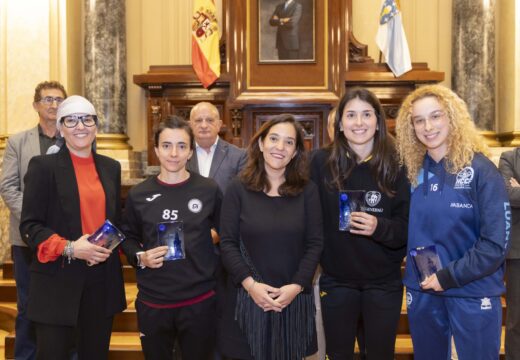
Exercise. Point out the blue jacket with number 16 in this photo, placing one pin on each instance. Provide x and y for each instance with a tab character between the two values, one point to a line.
467	217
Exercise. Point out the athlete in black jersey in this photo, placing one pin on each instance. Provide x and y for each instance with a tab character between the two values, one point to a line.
168	221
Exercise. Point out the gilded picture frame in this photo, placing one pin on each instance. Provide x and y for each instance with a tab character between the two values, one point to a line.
286	33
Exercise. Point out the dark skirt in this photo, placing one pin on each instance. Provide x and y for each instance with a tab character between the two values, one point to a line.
247	332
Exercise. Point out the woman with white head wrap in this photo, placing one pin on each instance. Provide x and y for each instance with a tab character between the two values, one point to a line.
76	287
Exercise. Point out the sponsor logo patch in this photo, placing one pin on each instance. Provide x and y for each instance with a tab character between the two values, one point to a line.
485	304
153	197
461	205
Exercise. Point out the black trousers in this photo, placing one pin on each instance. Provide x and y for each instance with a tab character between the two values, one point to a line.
512	341
25	341
379	307
91	337
193	326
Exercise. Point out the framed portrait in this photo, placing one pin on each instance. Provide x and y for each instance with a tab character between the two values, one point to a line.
286	31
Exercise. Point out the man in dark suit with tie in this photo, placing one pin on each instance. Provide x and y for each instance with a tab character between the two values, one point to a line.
213	157
287	17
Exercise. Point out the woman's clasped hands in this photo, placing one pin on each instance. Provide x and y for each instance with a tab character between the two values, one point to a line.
270	298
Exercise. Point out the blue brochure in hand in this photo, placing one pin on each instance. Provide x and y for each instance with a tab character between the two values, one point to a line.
171	234
349	201
426	261
107	236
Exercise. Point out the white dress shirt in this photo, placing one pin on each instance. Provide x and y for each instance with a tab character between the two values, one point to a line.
204	158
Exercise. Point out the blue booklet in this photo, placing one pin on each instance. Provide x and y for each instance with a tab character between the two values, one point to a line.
171	234
426	261
349	201
107	236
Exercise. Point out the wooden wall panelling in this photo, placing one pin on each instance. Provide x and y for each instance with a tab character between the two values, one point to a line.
295	88
174	90
262	83
281	76
312	117
248	92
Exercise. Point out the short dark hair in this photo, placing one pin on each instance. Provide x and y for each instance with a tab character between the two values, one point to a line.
254	175
173	122
48	85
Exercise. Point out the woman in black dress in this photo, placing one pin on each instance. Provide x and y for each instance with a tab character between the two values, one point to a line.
271	241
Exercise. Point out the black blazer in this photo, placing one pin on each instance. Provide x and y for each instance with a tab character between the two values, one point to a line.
51	206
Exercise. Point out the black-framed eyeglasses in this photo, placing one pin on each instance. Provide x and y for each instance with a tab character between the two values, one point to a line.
71	121
48	100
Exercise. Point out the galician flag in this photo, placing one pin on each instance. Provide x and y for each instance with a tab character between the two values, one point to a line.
391	38
205	55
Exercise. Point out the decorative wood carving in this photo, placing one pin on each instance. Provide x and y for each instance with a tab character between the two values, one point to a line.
357	52
310	116
236	116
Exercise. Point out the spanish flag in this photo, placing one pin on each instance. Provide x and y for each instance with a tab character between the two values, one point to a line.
205	55
391	39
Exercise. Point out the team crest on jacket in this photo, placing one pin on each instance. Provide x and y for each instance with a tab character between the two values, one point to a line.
372	198
464	178
195	205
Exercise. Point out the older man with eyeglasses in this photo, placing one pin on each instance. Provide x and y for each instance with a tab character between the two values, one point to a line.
20	148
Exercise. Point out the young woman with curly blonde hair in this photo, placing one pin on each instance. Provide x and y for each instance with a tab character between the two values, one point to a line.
460	210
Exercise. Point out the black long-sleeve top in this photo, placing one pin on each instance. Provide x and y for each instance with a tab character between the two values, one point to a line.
358	259
282	235
196	202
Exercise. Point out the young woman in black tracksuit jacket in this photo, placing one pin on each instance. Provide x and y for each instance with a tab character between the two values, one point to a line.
361	268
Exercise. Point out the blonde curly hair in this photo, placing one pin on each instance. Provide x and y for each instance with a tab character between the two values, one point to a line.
463	138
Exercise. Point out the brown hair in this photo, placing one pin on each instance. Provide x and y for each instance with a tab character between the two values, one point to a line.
48	85
254	175
384	162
